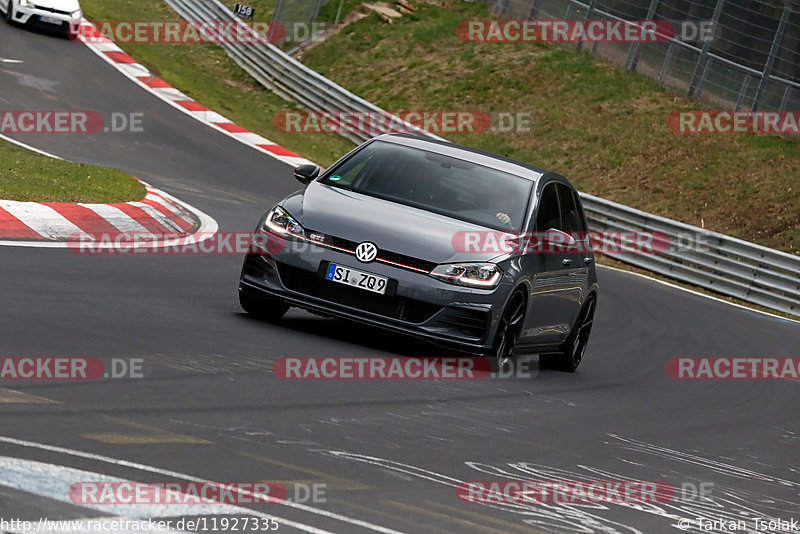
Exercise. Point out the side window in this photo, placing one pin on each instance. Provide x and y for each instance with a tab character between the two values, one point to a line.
570	216
547	214
581	215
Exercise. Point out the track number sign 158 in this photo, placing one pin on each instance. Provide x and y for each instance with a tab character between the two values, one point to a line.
244	11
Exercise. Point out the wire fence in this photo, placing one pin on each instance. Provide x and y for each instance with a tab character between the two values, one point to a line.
750	59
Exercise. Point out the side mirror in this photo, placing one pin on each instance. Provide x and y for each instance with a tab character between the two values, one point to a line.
306	173
558	239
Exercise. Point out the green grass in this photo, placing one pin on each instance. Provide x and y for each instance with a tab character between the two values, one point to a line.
599	125
205	73
31	177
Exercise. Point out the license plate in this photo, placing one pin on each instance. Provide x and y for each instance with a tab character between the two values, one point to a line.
51	20
355	278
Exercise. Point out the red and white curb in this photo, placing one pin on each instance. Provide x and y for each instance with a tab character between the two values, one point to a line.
114	55
155	214
50	224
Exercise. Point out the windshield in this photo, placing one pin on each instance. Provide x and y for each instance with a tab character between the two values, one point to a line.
437	183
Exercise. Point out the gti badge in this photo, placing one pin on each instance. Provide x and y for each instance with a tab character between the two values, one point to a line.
366	252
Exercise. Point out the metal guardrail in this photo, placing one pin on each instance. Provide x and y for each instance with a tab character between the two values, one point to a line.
711	260
724	264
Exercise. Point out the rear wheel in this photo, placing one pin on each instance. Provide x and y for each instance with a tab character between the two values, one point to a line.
575	346
508	333
266	309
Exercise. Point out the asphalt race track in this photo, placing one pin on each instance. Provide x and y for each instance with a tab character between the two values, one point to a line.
389	453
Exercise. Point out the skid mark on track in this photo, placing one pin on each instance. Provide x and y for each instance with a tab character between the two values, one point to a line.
216	364
12	396
763	498
331	481
449	517
693	459
147	435
407	520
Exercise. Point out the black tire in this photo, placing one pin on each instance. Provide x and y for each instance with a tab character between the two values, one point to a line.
505	339
266	309
9	15
571	356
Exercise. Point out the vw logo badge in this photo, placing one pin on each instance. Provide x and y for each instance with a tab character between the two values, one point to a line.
366	252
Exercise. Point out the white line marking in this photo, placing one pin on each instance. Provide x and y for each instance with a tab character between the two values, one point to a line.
54	482
174	474
29	147
6	60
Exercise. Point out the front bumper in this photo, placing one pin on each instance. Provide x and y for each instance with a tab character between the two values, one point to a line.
415	304
34	17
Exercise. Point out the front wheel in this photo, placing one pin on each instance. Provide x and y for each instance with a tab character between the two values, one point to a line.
266	309
9	10
508	333
575	346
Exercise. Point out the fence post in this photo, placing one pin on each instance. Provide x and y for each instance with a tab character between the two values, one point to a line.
667	60
276	13
743	92
534	12
787	95
589	14
338	13
773	53
702	59
315	14
633	51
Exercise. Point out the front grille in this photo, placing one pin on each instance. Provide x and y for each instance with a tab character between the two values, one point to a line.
402	260
467	321
396	307
406	260
51	10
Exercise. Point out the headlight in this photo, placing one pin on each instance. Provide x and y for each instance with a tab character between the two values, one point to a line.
26	3
482	275
279	222
76	14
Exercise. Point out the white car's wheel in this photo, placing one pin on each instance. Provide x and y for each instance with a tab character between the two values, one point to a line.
9	10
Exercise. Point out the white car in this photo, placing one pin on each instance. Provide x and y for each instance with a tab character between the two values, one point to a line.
64	15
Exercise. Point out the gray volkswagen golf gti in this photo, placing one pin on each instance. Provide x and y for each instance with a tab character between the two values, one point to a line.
458	246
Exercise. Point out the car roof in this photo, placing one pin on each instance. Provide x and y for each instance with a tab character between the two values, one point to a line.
473	155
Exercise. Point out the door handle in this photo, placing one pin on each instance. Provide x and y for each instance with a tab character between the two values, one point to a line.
587	259
566	261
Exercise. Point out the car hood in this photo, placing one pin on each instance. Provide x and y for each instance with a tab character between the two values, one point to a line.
392	227
61	5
